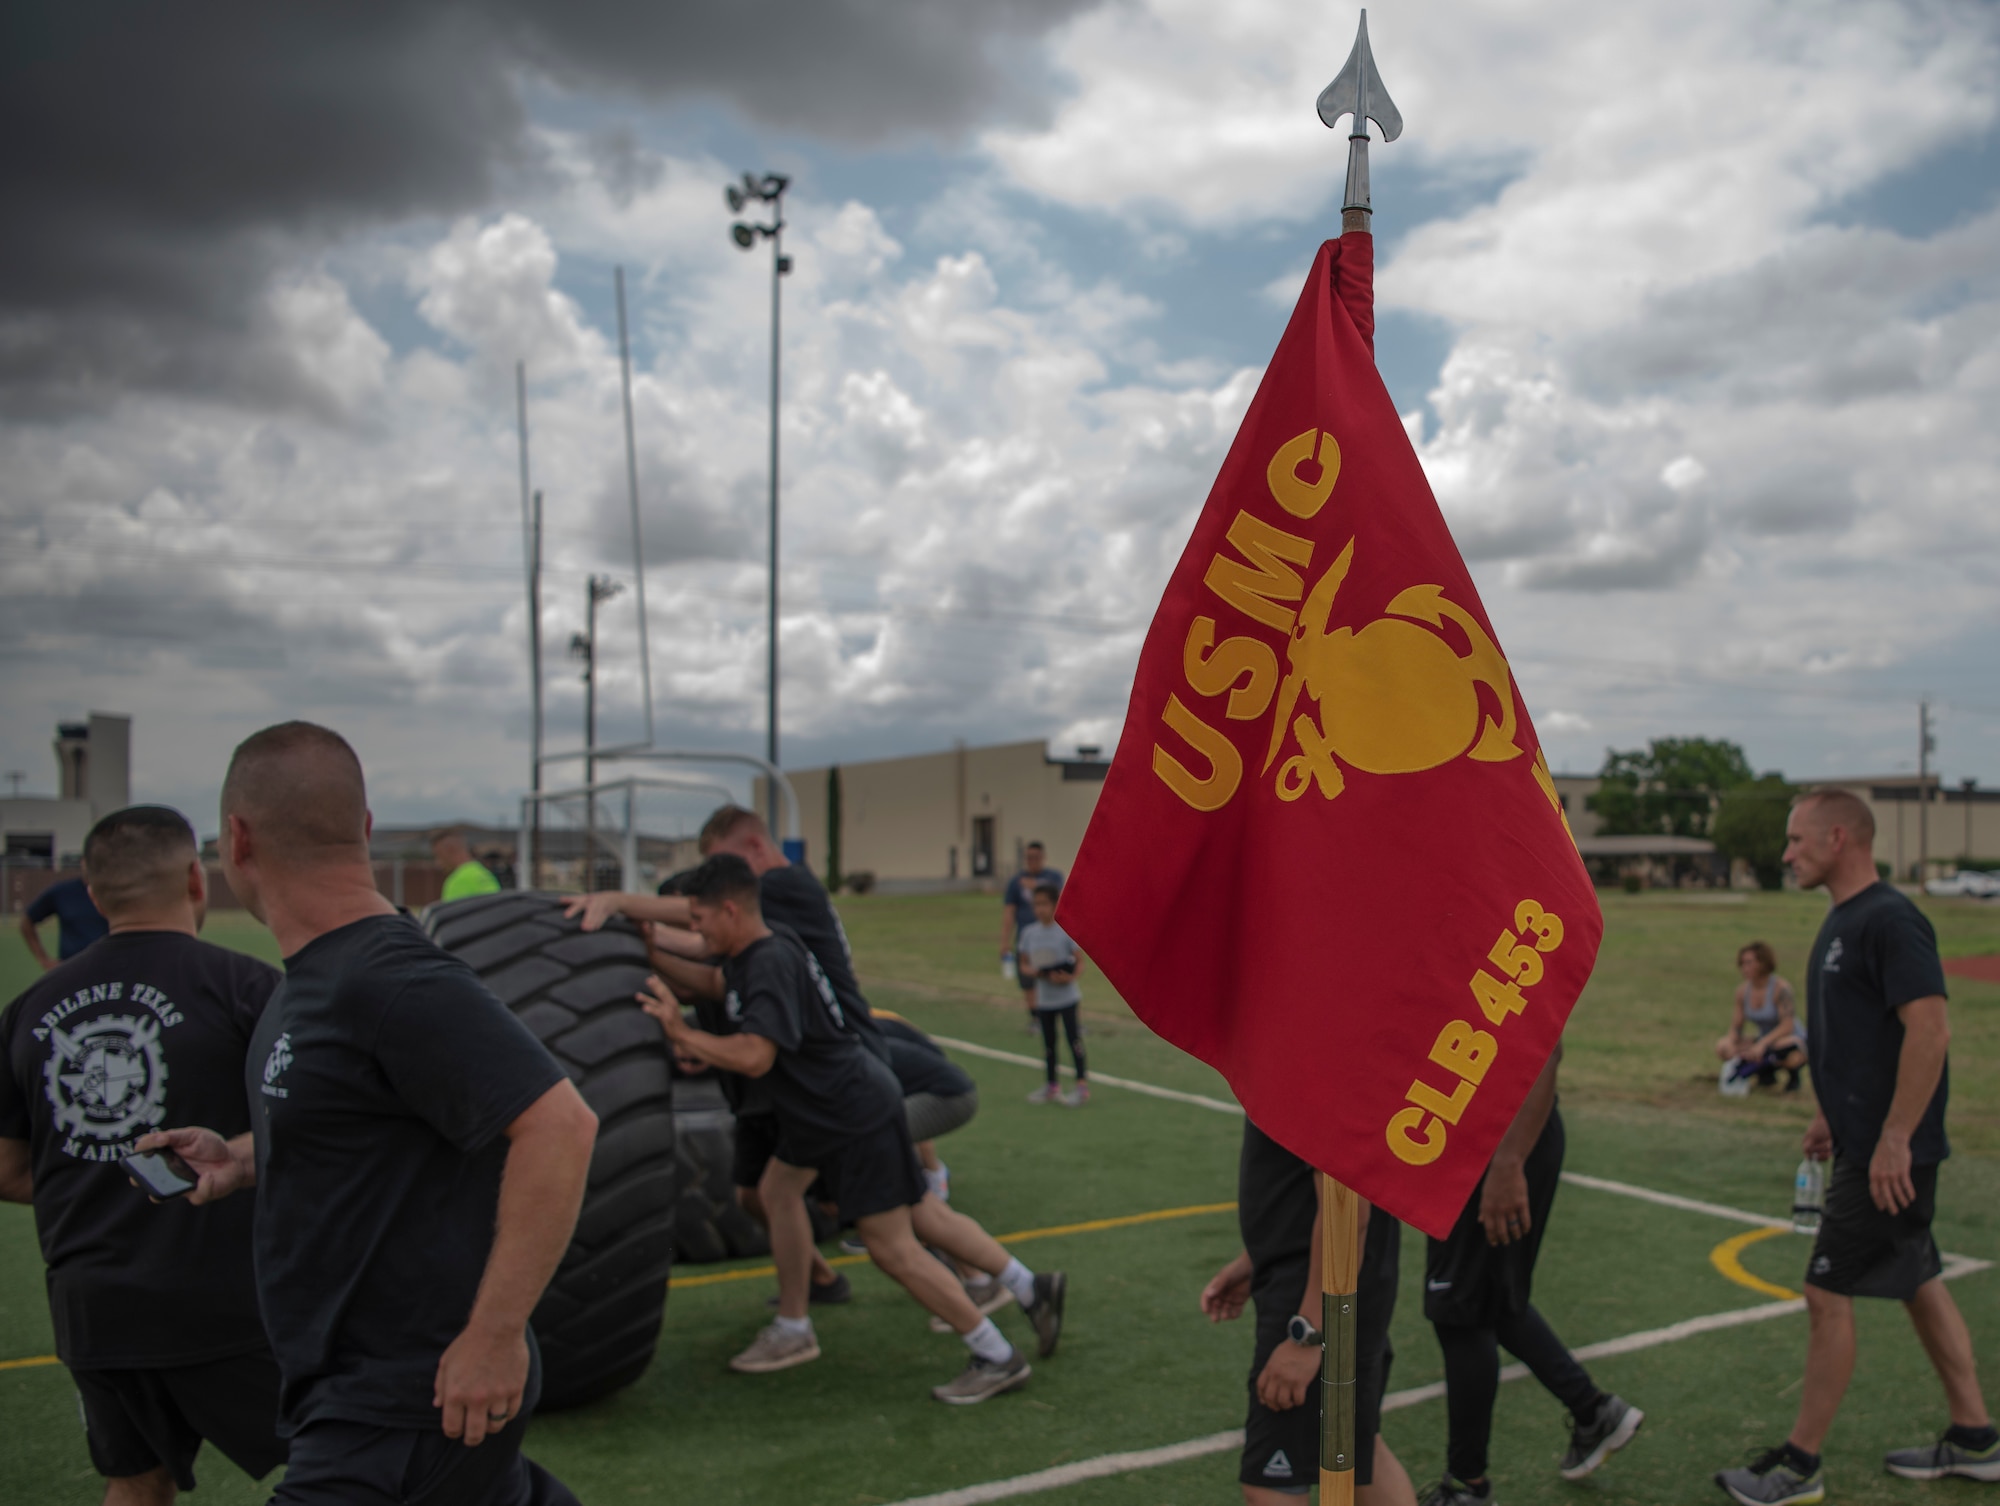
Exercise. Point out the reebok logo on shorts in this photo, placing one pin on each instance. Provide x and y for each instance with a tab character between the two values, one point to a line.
1280	1467
1821	1265
1437	1286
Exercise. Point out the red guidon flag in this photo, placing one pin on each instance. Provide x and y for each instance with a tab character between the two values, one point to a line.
1329	859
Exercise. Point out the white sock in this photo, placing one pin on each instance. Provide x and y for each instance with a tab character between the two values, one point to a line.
939	1182
793	1326
989	1343
1020	1281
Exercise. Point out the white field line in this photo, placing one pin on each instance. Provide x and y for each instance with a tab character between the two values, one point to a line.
1214	1104
1105	1465
1221	1443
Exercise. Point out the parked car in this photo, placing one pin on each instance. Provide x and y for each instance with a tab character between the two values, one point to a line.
1969	882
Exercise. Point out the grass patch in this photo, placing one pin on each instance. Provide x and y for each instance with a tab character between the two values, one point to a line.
1139	1368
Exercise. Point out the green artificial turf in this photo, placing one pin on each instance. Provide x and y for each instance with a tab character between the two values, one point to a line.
1139	1368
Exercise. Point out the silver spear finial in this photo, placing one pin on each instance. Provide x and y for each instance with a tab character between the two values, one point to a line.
1357	90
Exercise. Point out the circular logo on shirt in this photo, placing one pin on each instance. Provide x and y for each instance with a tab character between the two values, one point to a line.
275	1064
107	1078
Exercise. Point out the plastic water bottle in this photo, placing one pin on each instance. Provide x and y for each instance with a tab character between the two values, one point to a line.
1808	1196
1007	966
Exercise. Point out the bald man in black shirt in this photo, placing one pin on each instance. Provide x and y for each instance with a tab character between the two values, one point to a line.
154	1304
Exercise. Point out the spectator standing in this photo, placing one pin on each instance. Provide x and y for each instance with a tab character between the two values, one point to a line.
464	875
78	920
1019	900
419	1160
1277	1205
1764	1037
1877	1032
154	1304
1477	1284
841	1117
1049	960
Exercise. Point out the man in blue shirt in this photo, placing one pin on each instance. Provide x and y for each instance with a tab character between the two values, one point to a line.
1020	902
77	922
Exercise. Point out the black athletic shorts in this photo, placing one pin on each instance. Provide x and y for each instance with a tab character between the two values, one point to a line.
1281	1449
137	1420
756	1143
338	1463
1862	1251
1469	1283
873	1173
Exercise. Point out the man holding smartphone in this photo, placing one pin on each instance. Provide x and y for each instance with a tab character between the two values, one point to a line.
419	1160
154	1303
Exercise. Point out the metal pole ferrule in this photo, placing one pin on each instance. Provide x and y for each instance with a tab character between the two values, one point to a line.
1336	1415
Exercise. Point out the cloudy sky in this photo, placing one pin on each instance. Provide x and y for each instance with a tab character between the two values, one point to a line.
1692	307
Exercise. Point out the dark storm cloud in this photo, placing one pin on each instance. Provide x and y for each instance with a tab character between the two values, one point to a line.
161	161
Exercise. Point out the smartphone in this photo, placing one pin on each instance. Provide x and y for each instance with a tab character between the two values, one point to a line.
162	1173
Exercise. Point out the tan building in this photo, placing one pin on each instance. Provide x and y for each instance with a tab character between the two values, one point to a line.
93	779
962	816
958	817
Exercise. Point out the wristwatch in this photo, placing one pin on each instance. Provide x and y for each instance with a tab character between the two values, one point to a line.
1299	1330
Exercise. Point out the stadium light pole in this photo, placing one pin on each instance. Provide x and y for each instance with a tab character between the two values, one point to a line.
583	646
767	189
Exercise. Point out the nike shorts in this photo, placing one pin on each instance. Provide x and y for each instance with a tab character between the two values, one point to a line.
1469	1283
135	1421
1862	1251
1281	1449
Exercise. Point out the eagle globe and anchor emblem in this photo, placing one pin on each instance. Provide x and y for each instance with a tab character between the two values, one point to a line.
107	1079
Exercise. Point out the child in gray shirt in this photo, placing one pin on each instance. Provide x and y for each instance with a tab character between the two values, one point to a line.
1047	955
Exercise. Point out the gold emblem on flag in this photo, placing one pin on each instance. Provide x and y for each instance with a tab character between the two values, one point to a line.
1394	697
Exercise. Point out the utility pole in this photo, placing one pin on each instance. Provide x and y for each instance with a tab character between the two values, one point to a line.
1926	745
584	646
769	189
632	493
531	548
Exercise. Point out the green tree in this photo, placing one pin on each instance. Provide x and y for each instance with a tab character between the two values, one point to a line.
1669	788
1750	824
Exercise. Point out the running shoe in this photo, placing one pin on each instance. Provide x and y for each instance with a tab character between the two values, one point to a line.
1046	1093
1773	1478
1936	1461
853	1244
832	1294
983	1378
1076	1097
1591	1442
774	1349
1045	1313
1451	1492
987	1293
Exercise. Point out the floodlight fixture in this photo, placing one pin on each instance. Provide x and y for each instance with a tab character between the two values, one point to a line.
768	188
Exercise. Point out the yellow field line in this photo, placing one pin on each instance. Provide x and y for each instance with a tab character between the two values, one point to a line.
1126	1221
31	1361
1727	1258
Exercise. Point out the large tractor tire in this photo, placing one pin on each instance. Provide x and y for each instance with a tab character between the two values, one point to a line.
599	1321
709	1224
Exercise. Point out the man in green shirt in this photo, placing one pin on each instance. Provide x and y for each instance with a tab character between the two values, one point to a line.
465	875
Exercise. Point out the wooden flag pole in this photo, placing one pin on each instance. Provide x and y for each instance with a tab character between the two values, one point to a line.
1356	93
1340	1275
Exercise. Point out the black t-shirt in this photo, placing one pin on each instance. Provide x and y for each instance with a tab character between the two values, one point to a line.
825	1086
919	1062
793	897
147	1030
1276	1209
1875	953
78	922
384	1074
